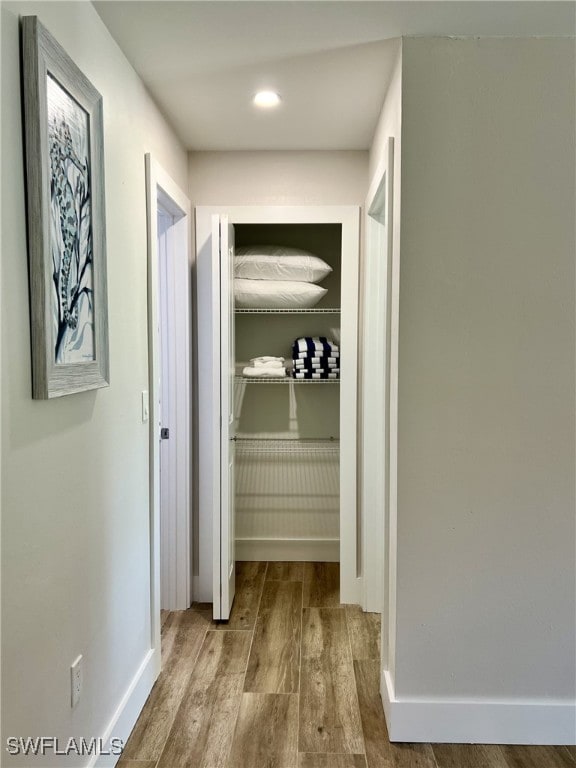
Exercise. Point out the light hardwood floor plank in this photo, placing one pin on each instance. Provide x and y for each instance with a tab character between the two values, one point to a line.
178	623
285	572
325	635
468	756
380	753
249	583
202	731
274	664
136	763
322	585
167	636
364	632
266	734
536	757
329	716
183	638
331	760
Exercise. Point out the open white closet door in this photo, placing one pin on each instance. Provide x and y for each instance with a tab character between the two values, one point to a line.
224	538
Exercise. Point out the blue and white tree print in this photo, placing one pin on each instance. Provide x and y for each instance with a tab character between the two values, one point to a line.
70	227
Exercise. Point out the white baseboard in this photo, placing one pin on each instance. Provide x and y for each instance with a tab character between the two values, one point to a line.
130	706
477	722
296	550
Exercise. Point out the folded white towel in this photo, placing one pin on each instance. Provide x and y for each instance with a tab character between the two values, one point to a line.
264	373
265	359
269	364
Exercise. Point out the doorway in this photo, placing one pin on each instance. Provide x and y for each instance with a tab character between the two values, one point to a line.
213	313
169	340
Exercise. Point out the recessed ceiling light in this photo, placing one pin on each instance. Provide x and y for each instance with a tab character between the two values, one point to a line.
267	99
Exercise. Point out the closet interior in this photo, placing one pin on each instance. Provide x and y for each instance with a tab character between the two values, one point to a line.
287	429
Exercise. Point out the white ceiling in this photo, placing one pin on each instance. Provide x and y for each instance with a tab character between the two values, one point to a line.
330	61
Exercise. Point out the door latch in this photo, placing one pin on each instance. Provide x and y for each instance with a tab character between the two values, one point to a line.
164	433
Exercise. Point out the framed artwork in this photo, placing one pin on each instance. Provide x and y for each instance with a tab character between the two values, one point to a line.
65	213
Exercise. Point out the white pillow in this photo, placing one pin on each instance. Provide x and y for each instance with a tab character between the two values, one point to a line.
275	262
276	294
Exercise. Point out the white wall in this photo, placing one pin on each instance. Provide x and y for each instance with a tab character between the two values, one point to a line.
278	178
486	474
75	527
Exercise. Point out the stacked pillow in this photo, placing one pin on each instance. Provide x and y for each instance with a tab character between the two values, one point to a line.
277	277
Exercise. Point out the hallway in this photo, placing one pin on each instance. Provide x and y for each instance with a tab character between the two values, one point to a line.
291	681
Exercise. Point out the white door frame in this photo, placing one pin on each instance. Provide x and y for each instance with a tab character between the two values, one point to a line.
380	385
160	188
348	217
224	539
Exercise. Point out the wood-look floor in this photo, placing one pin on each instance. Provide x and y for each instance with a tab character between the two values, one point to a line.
291	681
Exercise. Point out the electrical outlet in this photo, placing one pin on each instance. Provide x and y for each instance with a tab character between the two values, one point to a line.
76	676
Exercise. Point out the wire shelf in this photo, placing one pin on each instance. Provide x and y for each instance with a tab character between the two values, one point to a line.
297	311
288	445
294	445
282	380
287	489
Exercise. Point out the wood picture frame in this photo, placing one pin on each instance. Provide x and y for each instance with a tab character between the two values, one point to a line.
66	219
